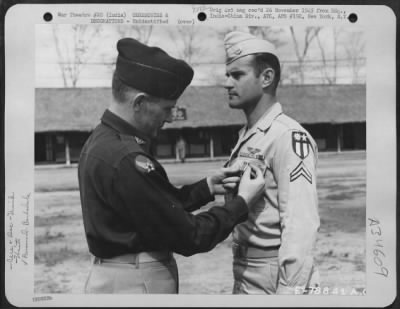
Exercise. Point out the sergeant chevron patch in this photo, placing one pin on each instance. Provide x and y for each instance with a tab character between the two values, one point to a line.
301	144
301	171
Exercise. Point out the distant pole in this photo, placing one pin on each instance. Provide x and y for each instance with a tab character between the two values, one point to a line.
339	138
211	146
49	148
176	151
67	152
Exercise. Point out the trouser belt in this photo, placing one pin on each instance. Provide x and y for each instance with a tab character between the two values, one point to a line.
136	258
254	252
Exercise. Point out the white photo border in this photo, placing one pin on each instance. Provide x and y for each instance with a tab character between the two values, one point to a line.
379	23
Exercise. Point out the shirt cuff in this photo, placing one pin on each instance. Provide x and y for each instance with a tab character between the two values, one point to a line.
238	208
205	195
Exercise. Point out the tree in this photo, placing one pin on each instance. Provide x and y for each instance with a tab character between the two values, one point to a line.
336	34
271	34
301	53
74	46
329	75
140	33
355	53
188	42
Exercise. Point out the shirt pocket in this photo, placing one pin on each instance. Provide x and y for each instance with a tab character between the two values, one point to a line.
244	161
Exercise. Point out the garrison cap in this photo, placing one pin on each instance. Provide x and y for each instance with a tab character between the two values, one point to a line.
239	44
151	70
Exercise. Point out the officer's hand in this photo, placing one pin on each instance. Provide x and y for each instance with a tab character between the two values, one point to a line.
251	187
224	180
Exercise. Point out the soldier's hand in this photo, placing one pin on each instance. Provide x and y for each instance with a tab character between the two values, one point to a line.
251	187
224	180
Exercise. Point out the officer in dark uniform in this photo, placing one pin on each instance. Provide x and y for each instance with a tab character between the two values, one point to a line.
134	218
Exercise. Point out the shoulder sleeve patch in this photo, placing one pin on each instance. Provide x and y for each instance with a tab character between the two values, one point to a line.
144	164
301	144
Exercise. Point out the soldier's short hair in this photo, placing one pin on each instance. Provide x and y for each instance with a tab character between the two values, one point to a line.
262	61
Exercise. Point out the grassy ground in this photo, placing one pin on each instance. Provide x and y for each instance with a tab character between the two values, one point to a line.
62	261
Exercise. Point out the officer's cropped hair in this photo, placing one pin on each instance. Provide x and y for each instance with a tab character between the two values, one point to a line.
263	61
121	92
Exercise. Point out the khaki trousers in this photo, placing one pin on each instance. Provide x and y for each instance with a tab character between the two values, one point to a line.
155	277
255	275
260	275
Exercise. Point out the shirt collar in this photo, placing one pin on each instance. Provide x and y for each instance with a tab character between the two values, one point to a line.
117	123
269	116
265	120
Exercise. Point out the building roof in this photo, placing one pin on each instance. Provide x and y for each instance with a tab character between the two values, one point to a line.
79	109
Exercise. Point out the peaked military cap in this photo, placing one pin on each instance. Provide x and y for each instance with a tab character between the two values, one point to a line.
239	44
151	70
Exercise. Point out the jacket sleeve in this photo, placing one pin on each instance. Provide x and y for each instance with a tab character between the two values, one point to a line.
295	169
158	215
195	195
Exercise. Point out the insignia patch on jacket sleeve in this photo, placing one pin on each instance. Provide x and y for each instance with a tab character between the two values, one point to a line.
301	144
301	171
144	164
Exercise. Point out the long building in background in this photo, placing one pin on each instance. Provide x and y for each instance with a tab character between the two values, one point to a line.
335	115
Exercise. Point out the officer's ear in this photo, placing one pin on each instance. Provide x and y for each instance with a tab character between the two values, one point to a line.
268	76
137	101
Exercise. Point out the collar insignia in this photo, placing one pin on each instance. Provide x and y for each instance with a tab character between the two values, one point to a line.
139	141
253	150
238	51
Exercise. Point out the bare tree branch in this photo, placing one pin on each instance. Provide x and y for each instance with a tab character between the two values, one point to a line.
324	64
336	34
221	34
310	35
140	33
190	46
354	50
296	44
75	50
270	34
60	57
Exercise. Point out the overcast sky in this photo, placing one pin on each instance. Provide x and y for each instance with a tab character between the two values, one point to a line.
207	41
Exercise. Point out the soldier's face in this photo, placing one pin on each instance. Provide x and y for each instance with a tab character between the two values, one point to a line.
244	88
154	114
